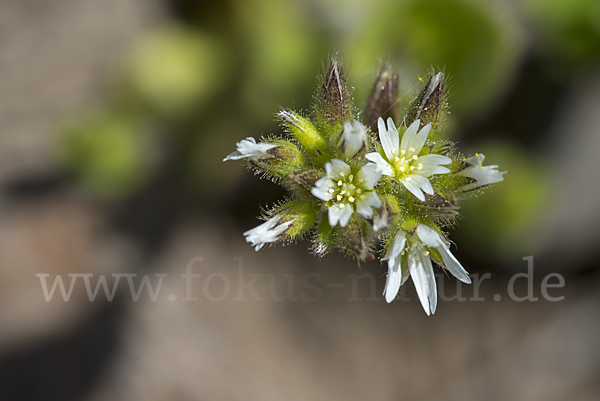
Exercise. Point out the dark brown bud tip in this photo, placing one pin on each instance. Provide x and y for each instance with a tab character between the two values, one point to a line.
428	104
383	98
335	97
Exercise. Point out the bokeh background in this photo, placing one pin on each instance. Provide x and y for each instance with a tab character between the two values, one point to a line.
115	116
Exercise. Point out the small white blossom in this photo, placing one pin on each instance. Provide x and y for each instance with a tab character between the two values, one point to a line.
483	175
352	139
402	161
249	149
346	192
409	256
269	231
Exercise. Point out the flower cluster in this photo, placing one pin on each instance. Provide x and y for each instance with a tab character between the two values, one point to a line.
363	179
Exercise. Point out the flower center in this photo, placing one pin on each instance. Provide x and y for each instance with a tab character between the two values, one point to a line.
415	250
402	166
346	190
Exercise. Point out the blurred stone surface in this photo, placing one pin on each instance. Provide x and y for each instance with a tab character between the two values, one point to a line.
53	58
335	346
57	236
572	228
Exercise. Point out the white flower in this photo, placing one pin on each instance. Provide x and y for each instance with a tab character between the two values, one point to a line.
483	175
269	231
346	192
249	149
402	161
409	256
352	139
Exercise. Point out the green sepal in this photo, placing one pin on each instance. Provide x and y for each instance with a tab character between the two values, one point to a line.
303	214
356	238
286	159
300	213
326	237
304	131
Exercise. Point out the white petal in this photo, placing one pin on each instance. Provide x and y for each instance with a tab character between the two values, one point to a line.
369	174
249	149
421	272
432	165
352	139
453	265
340	214
322	187
387	138
428	236
431	238
476	161
417	184
366	202
423	183
337	168
413	187
414	140
394	136
483	175
269	231
334	213
347	213
384	167
396	246
393	282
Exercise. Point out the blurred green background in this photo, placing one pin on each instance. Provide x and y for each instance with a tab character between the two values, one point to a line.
117	114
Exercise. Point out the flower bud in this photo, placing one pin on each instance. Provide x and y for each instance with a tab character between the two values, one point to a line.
438	206
286	159
353	139
382	99
286	222
335	106
428	104
479	176
356	239
307	179
278	158
303	130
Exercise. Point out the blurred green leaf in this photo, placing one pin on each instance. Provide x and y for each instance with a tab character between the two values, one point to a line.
466	39
505	220
570	30
106	152
173	70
